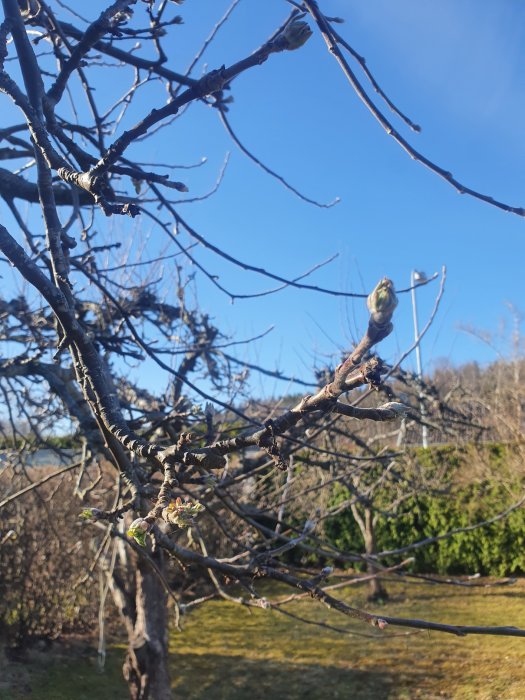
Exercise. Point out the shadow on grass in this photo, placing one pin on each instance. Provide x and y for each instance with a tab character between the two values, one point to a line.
199	677
207	676
63	675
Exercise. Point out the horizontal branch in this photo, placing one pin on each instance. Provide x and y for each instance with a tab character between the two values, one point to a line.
458	630
16	187
237	572
386	412
129	58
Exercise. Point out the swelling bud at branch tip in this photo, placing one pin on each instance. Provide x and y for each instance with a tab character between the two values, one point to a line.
382	302
396	407
295	35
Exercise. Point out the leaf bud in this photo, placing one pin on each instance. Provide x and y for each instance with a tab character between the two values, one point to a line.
382	301
138	531
295	35
398	408
90	514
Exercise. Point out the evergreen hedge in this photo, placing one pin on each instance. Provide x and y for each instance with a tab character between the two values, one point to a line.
497	549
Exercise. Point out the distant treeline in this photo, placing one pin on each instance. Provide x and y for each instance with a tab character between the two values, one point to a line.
59	442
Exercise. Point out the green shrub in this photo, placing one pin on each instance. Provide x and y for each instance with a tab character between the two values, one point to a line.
496	549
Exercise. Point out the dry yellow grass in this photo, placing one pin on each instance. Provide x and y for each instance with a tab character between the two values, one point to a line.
227	652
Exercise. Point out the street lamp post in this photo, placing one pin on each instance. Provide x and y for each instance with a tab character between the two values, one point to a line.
415	279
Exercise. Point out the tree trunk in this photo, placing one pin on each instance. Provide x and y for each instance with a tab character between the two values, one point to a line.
376	590
146	664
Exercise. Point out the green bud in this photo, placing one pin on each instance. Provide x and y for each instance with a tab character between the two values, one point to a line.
295	35
138	531
90	514
382	301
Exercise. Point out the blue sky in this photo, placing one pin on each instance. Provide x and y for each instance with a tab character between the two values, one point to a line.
456	68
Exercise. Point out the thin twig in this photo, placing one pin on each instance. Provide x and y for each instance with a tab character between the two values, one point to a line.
226	123
37	484
334	49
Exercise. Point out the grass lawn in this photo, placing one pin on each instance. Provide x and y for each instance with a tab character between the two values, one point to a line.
228	652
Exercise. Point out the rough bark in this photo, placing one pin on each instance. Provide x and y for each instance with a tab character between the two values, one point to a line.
376	590
146	664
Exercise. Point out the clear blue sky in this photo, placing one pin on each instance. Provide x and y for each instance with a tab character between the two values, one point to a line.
456	68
